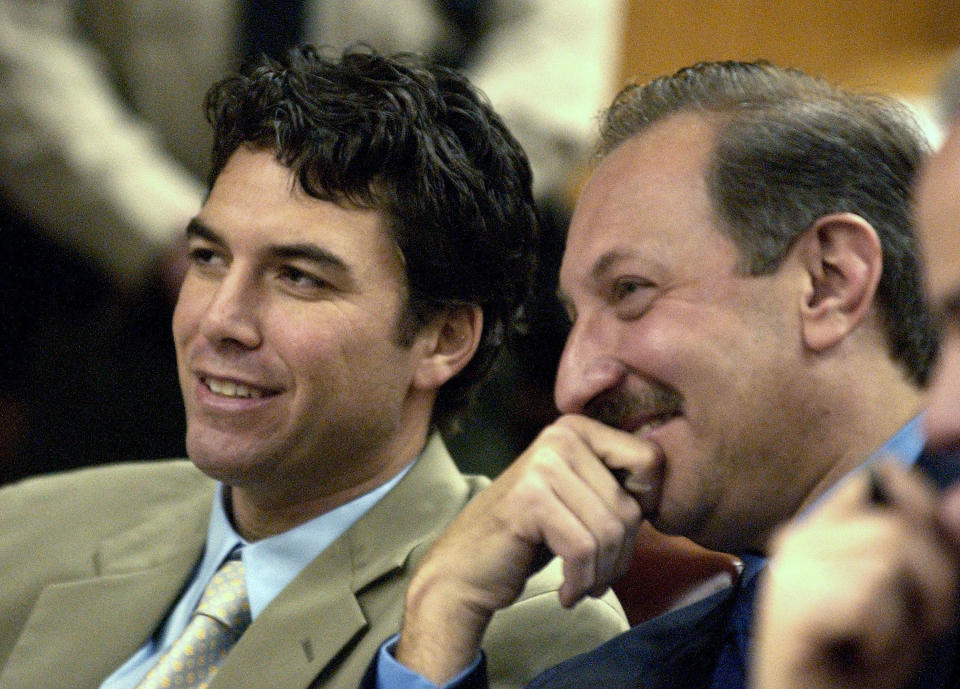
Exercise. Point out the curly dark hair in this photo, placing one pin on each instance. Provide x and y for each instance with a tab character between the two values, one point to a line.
791	148
416	142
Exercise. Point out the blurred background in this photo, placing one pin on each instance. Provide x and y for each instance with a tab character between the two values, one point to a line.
103	148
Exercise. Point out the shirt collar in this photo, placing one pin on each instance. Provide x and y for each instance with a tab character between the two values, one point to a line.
272	563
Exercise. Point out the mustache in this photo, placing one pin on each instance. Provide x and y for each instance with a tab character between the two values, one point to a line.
620	408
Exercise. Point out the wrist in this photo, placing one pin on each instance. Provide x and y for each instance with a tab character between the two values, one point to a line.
442	629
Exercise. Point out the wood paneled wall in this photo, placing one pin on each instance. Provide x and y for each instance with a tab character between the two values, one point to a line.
892	45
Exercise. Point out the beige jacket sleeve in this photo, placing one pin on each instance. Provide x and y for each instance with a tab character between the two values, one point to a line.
535	633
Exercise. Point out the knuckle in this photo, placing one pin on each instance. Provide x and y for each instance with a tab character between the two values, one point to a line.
560	434
582	549
610	534
629	511
543	462
528	492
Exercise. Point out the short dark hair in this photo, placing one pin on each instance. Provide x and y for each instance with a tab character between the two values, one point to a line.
419	144
791	148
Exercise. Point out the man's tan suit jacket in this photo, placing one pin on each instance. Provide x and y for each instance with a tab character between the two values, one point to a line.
92	561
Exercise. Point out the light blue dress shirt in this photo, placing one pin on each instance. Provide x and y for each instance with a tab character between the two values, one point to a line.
269	565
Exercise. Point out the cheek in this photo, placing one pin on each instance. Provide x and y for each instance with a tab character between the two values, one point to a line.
656	346
185	316
323	351
306	353
677	350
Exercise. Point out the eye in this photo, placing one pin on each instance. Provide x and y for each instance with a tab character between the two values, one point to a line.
301	280
205	258
625	287
201	255
631	296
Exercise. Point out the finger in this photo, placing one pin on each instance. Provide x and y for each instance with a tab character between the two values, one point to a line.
635	463
930	571
931	550
894	485
885	483
569	538
615	525
571	444
883	582
861	585
586	526
602	444
567	498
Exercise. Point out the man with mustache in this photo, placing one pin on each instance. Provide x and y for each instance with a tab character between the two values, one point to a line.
742	280
361	256
864	592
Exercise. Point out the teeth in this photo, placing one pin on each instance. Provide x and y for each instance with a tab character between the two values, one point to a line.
227	388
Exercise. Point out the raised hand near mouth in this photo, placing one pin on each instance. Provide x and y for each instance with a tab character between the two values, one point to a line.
561	497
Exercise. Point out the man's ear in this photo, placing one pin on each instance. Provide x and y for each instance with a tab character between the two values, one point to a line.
448	343
843	260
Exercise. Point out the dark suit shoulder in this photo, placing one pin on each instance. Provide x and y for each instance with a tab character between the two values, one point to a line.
676	650
942	468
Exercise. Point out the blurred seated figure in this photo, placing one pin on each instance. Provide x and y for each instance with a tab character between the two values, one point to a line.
101	138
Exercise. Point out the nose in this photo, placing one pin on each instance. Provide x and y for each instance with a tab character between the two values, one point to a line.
942	416
231	315
587	368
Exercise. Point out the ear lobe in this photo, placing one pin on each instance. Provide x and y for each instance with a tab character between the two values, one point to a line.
449	343
843	259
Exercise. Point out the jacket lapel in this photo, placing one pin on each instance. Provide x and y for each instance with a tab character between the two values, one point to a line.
352	593
301	631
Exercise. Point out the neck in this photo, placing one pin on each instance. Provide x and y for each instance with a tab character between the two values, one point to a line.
864	421
846	417
879	420
259	512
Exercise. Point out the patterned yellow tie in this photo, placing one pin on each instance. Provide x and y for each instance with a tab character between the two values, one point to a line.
219	620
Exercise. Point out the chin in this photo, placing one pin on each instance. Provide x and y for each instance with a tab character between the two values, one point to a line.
218	462
214	467
673	520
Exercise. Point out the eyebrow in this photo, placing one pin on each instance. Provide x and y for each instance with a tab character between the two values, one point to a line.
600	266
605	262
308	252
305	251
195	228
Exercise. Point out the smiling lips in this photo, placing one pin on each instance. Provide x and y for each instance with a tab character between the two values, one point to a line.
640	412
229	388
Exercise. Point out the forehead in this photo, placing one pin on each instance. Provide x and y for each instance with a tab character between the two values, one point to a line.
938	216
256	202
648	200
